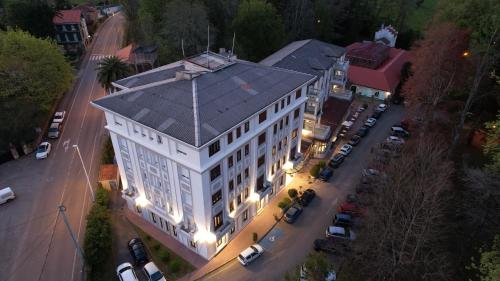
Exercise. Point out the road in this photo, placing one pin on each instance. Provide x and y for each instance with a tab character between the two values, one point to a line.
288	244
35	244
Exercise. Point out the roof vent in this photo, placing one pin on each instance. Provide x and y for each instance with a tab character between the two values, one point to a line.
185	75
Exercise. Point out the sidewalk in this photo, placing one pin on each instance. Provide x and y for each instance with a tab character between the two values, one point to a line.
261	224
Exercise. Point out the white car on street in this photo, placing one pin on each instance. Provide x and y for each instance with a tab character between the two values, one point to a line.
382	107
345	149
370	122
59	116
250	254
126	272
43	150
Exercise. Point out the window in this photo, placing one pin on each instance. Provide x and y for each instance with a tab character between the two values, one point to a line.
261	160
262	138
284	159
247	173
238	132
232	230
247	126
274	150
213	148
218	221
262	116
296	113
158	139
231	185
278	165
282	103
216	197
230	161
245	215
215	173
153	217
276	108
174	230
231	206
247	149
286	121
238	156
285	141
281	124
279	145
260	183
275	129
238	199
230	137
294	134
193	244
238	179
272	170
218	243
298	94
288	100
246	193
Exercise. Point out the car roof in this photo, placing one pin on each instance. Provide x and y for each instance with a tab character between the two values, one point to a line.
336	229
151	267
247	252
54	125
343	216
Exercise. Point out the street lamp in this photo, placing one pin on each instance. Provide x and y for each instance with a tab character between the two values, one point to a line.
75	146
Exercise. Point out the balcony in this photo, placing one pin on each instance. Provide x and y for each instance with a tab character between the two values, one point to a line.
225	228
319	132
313	92
266	189
341	93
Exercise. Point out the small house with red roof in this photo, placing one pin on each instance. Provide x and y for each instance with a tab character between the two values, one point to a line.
375	67
71	30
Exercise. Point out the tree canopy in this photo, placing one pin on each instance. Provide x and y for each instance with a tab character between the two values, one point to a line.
111	69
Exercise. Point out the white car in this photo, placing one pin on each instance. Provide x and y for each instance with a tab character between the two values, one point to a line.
126	272
43	150
250	254
153	273
340	232
370	122
345	149
395	140
59	116
6	195
382	107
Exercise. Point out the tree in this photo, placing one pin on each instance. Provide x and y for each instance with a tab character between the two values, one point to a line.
292	192
315	170
487	268
34	17
437	67
259	30
33	74
111	69
492	147
298	17
316	267
221	14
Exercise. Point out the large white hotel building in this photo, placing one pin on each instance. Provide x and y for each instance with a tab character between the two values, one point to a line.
201	143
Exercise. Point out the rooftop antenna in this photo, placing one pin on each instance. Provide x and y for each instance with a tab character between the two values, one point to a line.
232	48
182	46
208	45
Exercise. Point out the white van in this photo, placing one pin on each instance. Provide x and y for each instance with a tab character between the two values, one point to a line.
6	195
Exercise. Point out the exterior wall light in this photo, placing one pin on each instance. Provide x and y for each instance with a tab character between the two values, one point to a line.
141	201
203	236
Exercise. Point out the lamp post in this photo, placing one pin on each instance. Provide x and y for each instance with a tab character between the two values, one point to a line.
75	146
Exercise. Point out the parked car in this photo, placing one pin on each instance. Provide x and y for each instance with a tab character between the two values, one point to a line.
403	125
330	246
360	109
370	172
304	276
354	140
345	149
59	116
250	254
350	208
43	150
293	213
153	273
138	251
395	140
126	272
340	232
336	160
307	197
6	195
376	114
342	219
400	132
370	122
325	174
54	130
363	131
382	107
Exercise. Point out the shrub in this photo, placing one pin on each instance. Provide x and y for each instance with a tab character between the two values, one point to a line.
97	242
156	247
284	203
164	255
292	192
102	197
255	237
175	265
315	171
321	164
148	238
108	154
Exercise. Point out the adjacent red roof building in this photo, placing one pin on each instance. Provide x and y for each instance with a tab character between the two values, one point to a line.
67	16
375	65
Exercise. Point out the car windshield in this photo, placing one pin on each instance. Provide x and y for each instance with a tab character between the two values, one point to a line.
41	148
253	248
124	269
53	130
156	276
291	212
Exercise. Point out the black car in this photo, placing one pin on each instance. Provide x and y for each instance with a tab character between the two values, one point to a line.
325	174
293	213
376	114
336	160
363	131
307	197
138	251
342	219
354	140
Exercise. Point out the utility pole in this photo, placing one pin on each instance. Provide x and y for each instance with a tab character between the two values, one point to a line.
73	237
75	146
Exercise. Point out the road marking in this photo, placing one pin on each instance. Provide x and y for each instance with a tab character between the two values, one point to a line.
66	145
272	238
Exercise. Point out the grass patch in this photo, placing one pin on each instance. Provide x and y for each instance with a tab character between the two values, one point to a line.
171	264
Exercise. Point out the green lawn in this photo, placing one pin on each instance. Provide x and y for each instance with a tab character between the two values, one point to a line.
418	19
171	264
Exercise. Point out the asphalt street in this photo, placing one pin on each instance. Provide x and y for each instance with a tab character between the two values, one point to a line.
288	244
35	244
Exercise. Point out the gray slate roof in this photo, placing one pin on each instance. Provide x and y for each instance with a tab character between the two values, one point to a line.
225	98
308	56
148	77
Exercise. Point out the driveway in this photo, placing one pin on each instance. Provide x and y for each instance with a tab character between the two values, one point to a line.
287	245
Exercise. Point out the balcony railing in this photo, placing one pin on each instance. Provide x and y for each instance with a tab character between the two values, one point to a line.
313	92
266	189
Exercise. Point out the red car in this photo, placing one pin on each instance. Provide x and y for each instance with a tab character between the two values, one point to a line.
351	208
